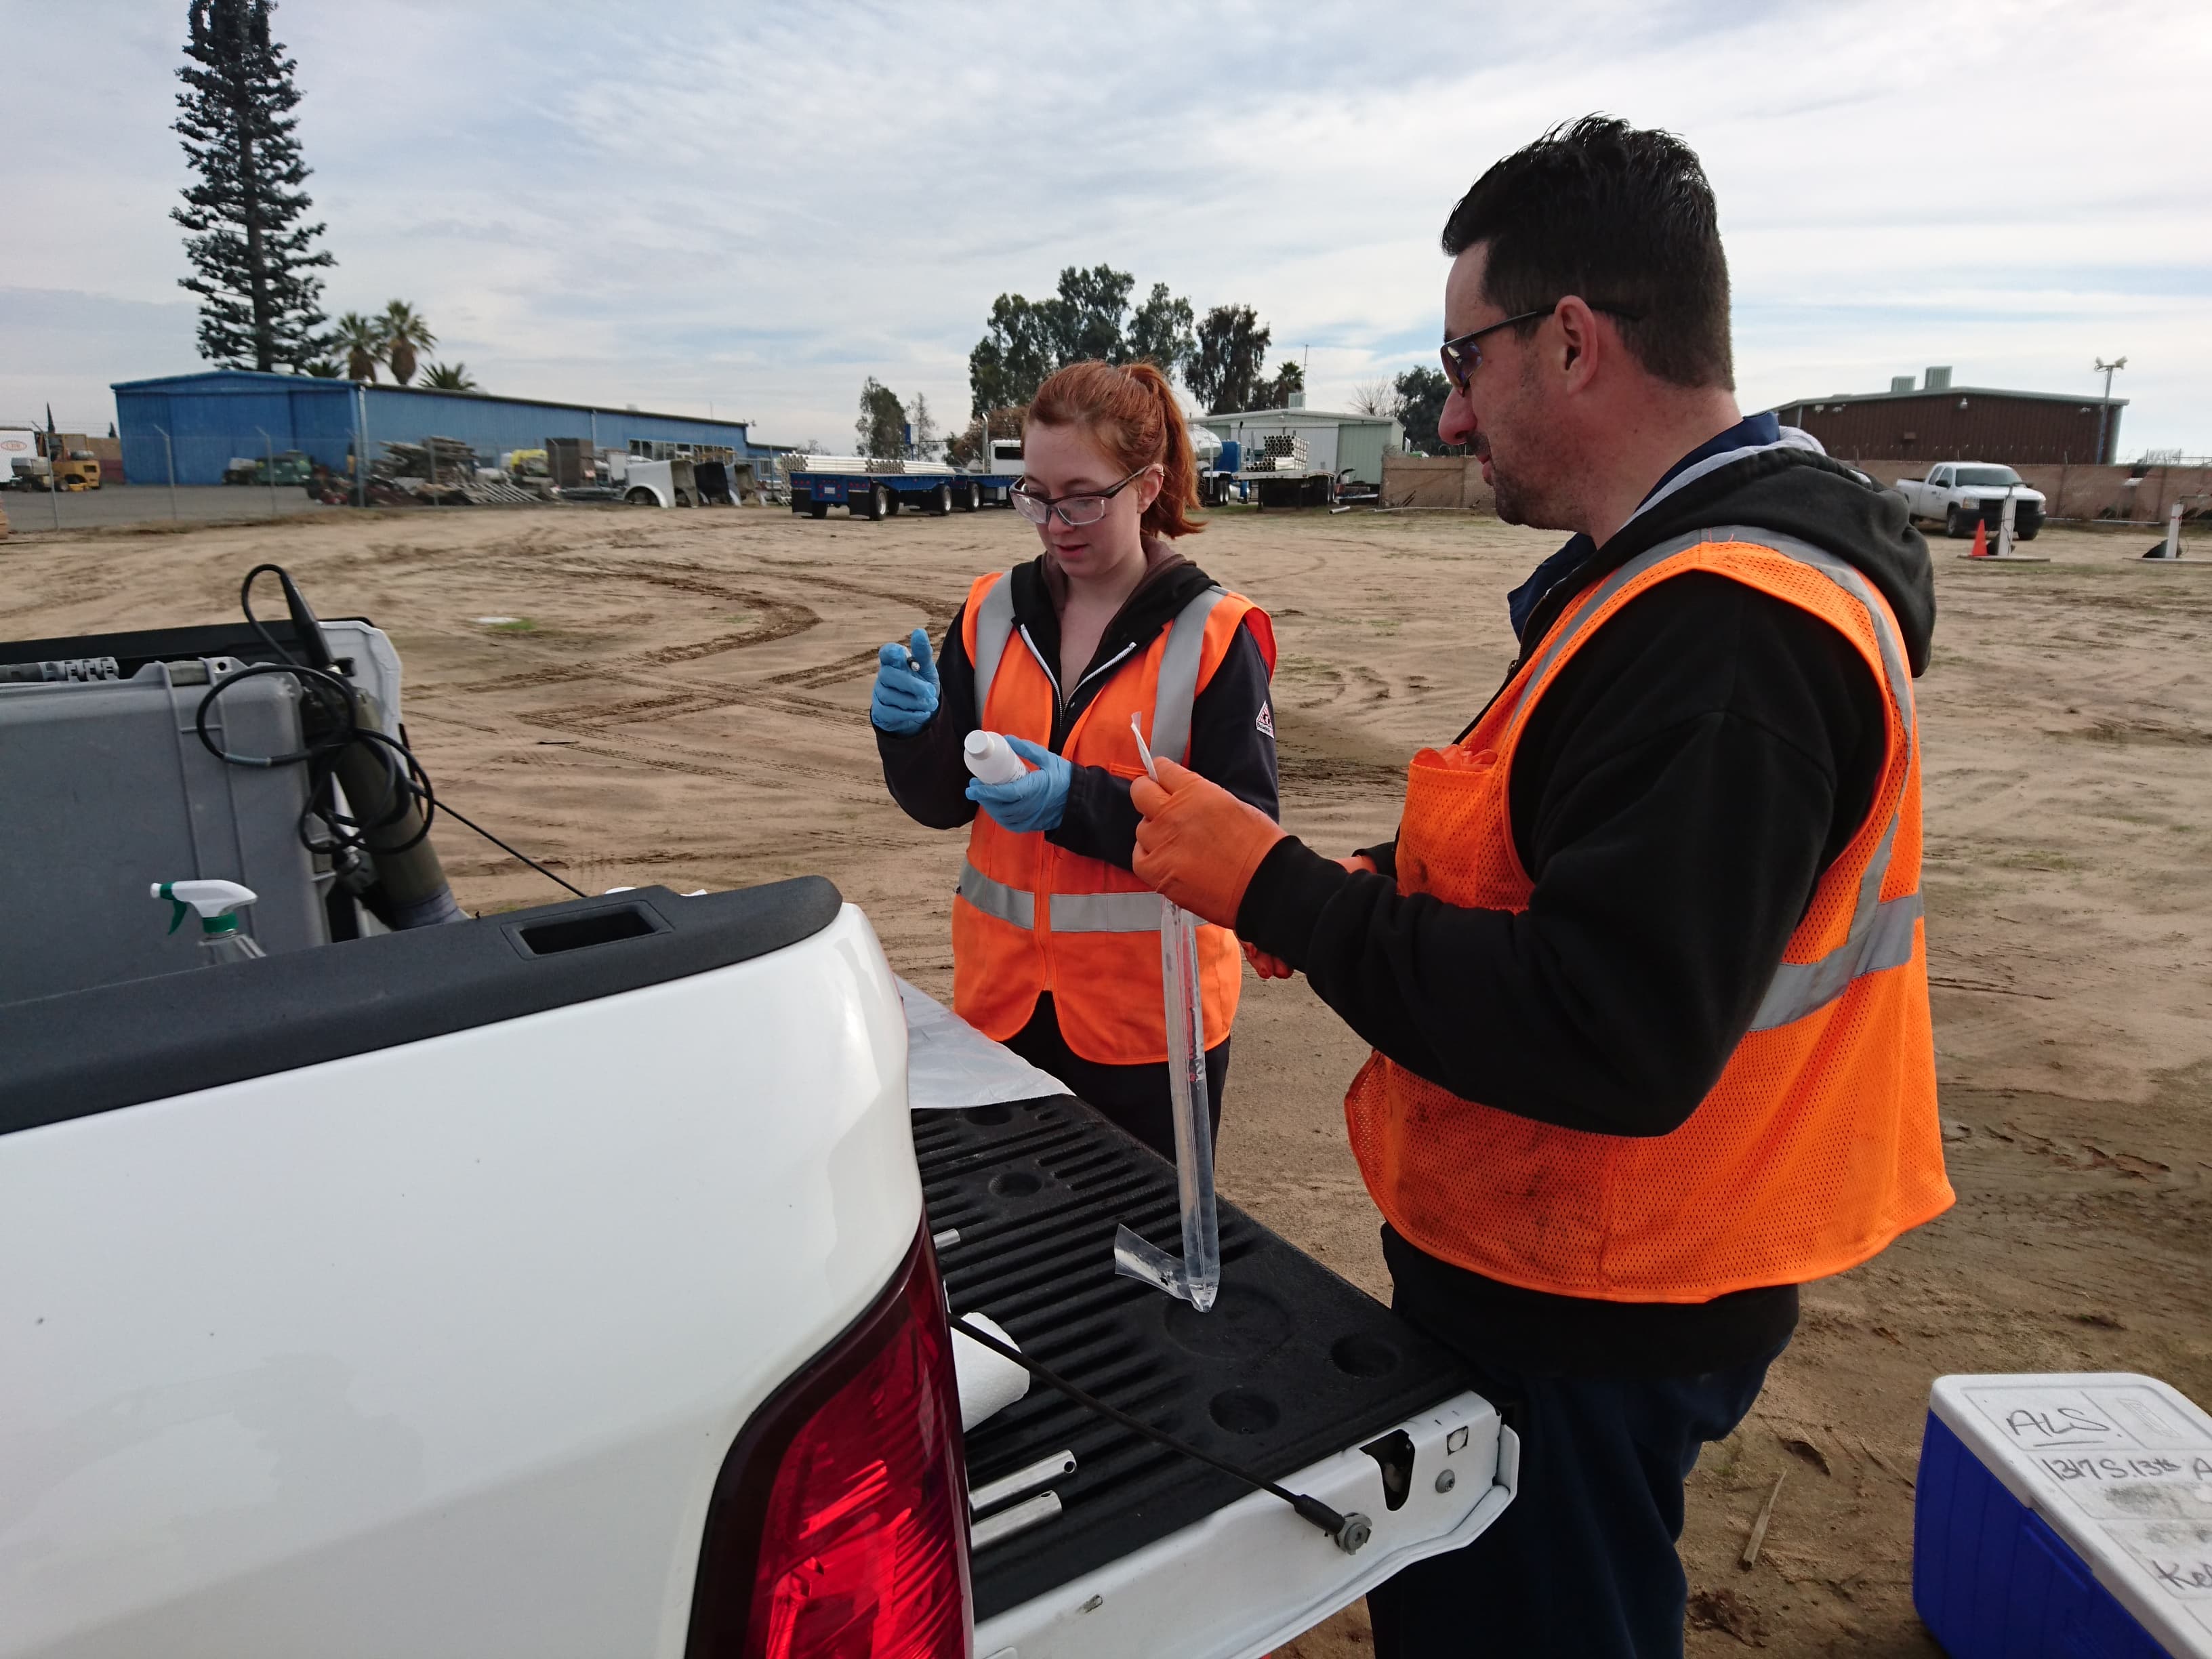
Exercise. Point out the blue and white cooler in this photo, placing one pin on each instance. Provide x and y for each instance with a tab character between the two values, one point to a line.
2064	1515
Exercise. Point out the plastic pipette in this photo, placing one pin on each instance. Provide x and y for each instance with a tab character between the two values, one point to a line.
1197	1278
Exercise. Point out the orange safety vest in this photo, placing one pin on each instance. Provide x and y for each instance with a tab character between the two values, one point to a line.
1819	1145
1030	917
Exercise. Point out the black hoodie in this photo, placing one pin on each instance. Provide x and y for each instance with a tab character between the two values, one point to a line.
1675	796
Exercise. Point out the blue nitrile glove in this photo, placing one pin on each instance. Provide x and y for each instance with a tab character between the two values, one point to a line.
1031	802
905	697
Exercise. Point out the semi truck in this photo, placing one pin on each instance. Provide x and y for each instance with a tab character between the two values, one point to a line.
583	1279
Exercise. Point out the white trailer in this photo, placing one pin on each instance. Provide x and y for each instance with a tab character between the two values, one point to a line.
18	444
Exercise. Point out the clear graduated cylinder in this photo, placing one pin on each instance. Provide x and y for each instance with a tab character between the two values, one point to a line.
1197	1278
1186	1012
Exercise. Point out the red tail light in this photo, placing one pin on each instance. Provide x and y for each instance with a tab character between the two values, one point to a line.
839	1528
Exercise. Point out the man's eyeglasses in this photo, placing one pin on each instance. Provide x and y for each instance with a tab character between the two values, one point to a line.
1463	356
1075	511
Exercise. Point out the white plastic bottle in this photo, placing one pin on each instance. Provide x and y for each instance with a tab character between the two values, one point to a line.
991	759
215	902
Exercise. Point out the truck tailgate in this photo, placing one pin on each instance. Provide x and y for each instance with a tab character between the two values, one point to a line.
1292	1374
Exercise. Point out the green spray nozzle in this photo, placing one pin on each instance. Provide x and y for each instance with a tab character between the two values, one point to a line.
214	900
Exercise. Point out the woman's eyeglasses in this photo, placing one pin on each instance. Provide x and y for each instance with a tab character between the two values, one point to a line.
1463	356
1075	511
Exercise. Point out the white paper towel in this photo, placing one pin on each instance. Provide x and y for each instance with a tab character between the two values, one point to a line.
990	1382
950	1065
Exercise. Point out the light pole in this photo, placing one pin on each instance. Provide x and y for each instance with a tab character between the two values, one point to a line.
268	449
170	450
2105	408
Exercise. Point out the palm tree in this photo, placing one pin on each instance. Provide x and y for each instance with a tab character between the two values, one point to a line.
324	368
449	377
405	334
363	340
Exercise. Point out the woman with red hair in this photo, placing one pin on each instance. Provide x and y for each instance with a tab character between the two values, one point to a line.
1055	944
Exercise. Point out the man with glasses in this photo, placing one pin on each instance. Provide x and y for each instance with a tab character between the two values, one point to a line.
1643	968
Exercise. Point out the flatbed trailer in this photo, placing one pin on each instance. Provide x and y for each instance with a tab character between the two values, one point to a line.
880	495
875	488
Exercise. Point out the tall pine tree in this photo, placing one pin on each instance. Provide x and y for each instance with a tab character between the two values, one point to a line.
253	261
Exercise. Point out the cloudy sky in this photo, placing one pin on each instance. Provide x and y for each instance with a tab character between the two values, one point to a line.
749	209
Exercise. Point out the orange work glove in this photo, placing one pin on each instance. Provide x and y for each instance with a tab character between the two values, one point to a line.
1197	843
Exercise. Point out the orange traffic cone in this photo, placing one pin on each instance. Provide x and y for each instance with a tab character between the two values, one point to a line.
1981	541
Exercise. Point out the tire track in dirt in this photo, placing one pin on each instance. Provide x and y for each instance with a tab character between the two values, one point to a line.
666	757
704	698
639	711
827	673
785	620
78	590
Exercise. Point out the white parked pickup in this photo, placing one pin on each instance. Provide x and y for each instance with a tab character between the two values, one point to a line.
1959	492
572	1283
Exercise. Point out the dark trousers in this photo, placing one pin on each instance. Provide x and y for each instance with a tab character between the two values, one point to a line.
1583	1562
1135	1098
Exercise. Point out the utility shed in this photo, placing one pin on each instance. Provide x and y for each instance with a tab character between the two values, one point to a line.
1936	421
214	416
1338	443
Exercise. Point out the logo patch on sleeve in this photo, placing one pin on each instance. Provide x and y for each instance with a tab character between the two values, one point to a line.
1267	721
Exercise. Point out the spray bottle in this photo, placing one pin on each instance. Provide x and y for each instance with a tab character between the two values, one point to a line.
214	901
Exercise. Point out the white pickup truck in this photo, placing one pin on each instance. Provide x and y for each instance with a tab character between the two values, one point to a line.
575	1282
1960	493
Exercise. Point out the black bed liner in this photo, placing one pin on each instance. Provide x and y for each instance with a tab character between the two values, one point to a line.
1291	1365
71	1055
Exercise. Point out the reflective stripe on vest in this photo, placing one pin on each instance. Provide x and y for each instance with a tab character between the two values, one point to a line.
1180	661
1072	913
994	626
1178	692
1881	932
1105	913
995	898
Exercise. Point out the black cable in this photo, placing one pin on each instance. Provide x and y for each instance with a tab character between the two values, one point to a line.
311	676
406	781
245	604
1349	1531
504	848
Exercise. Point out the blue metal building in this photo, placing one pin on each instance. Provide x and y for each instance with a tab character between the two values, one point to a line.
212	416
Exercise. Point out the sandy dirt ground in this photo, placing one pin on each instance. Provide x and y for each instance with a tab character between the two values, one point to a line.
681	699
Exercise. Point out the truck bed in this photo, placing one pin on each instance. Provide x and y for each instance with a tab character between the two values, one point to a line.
1291	1367
445	1164
1291	1364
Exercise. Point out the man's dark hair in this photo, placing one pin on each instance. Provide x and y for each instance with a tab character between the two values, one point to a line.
1617	214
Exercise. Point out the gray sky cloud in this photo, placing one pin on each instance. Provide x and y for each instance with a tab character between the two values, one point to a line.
755	211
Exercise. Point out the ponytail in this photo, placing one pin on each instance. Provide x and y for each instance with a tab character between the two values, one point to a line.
1132	412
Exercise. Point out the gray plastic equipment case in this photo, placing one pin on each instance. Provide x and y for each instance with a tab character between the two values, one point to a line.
105	788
